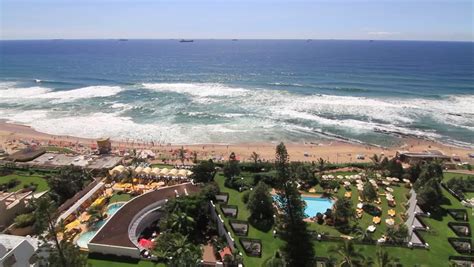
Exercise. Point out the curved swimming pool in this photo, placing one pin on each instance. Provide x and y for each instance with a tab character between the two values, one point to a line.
86	237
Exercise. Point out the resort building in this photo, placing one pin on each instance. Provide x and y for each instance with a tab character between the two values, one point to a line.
415	157
18	251
12	204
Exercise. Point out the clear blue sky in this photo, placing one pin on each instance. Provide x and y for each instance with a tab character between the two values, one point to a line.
258	19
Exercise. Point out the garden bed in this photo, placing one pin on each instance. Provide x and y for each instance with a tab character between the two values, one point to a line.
240	228
461	229
230	210
222	198
458	214
461	245
252	247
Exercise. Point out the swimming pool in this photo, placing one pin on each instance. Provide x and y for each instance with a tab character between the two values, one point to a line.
112	208
86	237
316	204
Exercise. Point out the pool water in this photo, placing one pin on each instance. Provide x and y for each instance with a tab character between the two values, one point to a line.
112	209
316	204
86	237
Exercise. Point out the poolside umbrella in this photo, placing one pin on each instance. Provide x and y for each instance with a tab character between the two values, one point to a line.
390	222
340	177
391	212
138	170
389	189
155	172
386	183
360	205
147	170
378	175
173	172
347	176
164	171
189	173
346	183
406	181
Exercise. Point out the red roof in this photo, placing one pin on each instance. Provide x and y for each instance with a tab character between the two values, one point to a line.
225	251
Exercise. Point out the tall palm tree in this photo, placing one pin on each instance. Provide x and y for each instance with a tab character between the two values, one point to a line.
255	157
351	256
383	259
321	165
181	222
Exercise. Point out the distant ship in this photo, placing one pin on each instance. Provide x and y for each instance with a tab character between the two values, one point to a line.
186	41
123	40
234	40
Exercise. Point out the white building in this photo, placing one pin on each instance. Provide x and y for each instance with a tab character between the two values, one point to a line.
18	251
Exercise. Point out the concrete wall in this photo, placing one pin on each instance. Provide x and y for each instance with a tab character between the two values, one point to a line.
114	250
220	226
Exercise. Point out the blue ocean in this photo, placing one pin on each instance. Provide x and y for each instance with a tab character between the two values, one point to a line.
235	91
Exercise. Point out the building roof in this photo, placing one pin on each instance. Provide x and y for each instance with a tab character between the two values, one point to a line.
423	154
115	231
12	241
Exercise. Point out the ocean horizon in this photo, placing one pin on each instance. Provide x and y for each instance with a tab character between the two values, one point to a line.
224	91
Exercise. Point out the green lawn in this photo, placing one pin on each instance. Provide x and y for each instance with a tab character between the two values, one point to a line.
123	197
436	237
269	243
366	220
25	179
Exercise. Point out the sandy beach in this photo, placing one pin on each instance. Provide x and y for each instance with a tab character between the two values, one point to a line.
15	136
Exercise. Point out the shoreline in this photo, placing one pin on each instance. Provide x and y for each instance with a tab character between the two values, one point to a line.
14	136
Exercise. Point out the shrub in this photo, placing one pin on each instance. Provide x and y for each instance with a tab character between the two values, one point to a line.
245	197
372	210
24	220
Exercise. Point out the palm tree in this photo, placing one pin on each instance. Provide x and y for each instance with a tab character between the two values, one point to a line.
383	259
321	165
181	222
376	160
182	155
350	255
255	157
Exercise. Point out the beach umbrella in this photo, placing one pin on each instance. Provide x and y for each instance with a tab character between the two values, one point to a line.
389	189
155	171
347	177
340	177
138	170
390	222
346	183
164	171
173	172
371	228
407	181
360	205
147	170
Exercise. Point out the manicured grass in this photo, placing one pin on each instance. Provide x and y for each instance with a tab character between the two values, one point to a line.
25	179
436	237
399	195
123	197
269	243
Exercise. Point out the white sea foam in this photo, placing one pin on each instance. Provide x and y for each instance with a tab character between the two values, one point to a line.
197	89
9	91
259	114
82	93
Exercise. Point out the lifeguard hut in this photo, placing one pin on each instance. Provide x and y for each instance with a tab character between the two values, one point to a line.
104	146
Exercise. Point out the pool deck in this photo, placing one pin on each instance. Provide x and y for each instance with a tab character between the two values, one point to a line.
115	230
